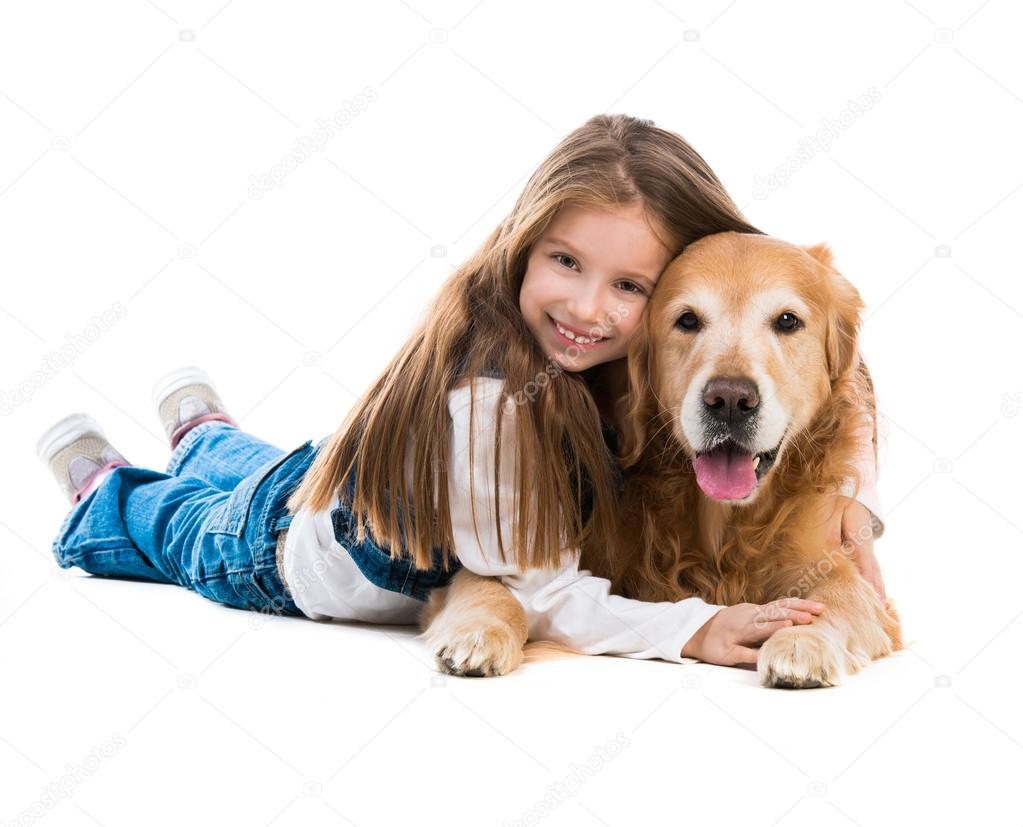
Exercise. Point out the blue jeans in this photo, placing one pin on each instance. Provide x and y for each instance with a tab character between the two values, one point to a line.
210	523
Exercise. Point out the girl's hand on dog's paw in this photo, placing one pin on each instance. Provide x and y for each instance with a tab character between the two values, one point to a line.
731	635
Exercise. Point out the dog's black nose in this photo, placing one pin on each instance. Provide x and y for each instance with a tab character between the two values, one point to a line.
731	399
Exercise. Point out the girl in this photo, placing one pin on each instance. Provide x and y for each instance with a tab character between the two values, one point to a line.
481	446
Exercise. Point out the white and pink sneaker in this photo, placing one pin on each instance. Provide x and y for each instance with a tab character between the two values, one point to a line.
78	454
185	397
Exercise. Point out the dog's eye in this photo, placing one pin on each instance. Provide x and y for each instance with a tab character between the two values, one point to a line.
688	322
787	322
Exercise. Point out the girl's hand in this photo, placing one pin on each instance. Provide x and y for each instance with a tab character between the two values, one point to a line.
729	636
852	527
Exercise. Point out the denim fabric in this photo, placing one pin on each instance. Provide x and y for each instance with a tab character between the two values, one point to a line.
377	565
208	524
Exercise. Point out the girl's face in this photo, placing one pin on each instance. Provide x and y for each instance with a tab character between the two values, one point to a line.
587	281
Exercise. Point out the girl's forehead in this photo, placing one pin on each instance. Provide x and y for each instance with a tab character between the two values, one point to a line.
584	217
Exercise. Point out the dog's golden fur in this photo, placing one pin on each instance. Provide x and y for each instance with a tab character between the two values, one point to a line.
475	626
672	540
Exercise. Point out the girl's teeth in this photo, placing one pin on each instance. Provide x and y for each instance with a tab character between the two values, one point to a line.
568	334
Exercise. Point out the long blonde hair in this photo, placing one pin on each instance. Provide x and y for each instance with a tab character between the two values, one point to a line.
475	328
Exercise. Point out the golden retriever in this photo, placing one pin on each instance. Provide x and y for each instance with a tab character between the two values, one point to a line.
745	402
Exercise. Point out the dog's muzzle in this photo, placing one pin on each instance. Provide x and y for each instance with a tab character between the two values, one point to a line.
728	464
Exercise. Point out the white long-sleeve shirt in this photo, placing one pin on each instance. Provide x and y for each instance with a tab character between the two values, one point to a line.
566	605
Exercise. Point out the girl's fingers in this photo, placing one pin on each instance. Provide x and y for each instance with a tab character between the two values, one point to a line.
743	654
758	631
795	616
800	603
878	584
875	579
869	568
794	608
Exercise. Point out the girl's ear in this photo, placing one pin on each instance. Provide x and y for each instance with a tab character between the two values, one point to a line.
637	406
844	308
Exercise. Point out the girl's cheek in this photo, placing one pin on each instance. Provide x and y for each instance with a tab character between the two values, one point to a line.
630	317
623	333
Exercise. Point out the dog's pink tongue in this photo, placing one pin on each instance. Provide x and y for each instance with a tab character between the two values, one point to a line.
726	474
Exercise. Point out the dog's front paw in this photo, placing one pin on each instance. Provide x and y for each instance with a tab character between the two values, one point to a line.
477	650
801	657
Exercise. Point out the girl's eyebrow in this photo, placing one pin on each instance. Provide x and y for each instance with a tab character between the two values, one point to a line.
560	242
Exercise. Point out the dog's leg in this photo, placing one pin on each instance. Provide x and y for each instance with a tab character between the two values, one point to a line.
854	629
474	627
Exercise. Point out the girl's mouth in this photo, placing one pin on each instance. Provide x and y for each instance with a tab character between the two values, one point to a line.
567	337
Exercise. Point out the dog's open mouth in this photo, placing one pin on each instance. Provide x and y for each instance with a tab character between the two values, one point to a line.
730	471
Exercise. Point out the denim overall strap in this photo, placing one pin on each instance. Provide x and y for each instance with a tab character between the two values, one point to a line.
377	565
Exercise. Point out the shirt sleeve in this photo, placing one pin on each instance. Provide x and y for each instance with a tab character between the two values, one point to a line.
565	604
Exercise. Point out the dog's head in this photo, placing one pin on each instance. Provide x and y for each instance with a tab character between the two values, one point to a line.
743	341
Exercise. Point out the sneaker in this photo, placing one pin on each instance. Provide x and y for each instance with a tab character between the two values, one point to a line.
185	397
78	454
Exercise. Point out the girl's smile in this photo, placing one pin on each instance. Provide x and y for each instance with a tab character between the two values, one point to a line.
582	340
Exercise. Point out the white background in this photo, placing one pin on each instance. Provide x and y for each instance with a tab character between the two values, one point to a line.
130	132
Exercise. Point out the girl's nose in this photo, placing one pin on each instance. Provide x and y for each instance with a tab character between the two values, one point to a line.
587	308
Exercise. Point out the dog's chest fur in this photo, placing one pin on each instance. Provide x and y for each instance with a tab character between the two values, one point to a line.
684	544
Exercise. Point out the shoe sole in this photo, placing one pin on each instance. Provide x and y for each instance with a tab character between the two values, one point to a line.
62	433
175	381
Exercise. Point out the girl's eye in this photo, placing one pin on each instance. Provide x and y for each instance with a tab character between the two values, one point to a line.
632	287
787	323
565	261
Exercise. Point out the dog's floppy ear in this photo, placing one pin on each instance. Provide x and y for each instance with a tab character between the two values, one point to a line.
637	406
844	309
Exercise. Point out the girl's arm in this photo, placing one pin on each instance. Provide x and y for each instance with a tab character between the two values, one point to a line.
565	605
867	468
858	522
